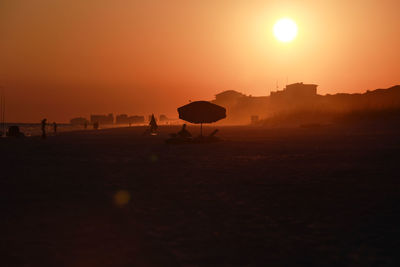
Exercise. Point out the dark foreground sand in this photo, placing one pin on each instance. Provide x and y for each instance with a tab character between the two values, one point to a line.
265	197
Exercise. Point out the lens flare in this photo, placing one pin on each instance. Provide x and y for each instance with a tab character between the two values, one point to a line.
122	198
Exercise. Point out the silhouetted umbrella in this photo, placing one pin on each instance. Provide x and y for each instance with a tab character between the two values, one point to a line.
201	112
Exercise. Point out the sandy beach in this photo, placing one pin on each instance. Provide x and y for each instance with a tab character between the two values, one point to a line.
263	197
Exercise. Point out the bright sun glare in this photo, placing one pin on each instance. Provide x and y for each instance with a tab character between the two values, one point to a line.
285	30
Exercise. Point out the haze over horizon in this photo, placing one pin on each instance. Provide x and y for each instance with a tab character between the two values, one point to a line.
62	59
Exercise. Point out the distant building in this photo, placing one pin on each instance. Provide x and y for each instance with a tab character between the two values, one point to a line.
102	119
136	119
163	118
229	95
125	119
79	121
240	107
296	91
300	97
122	119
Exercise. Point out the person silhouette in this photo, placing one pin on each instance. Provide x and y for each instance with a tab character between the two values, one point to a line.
183	133
55	128
44	128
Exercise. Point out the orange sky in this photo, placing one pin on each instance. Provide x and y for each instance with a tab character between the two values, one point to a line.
66	58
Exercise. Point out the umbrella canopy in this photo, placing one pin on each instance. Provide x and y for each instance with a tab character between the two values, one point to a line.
201	112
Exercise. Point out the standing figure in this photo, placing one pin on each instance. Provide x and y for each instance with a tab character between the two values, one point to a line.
85	125
183	133
55	128
44	128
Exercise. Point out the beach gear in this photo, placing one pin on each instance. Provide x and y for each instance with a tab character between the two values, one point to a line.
201	112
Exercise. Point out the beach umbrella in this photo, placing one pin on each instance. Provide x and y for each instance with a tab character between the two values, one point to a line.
201	112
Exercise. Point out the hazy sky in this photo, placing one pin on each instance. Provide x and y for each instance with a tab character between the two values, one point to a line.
65	58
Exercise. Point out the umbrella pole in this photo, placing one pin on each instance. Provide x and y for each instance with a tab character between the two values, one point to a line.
201	129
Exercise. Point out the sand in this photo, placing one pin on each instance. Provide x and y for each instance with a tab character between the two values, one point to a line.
263	197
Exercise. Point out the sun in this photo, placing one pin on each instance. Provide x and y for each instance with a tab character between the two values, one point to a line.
285	30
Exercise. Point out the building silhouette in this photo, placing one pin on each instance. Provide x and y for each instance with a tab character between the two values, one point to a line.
122	119
163	118
79	121
136	119
295	92
125	119
102	119
301	97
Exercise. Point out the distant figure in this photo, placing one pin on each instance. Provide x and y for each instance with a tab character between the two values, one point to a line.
212	137
153	124
183	133
55	128
13	131
96	125
44	122
85	125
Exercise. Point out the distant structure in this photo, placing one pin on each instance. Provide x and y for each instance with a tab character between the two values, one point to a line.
125	119
79	121
293	96
136	119
296	91
102	119
163	118
240	107
122	119
229	96
302	97
108	119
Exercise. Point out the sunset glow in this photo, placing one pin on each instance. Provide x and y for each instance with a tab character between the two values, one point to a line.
140	57
201	132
